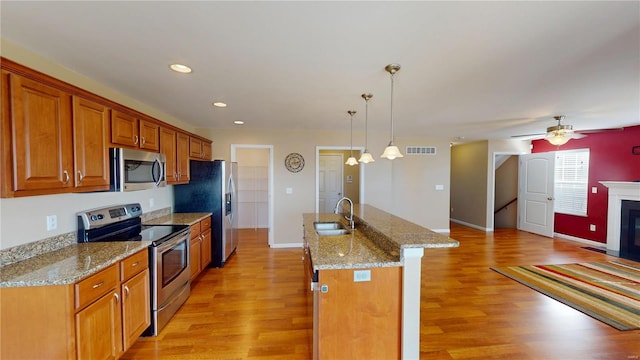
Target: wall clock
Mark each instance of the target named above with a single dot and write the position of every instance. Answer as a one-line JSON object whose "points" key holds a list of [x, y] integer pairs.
{"points": [[294, 162]]}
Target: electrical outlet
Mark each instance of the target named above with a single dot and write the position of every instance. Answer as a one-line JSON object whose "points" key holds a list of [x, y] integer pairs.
{"points": [[592, 227], [361, 275], [594, 189], [52, 222]]}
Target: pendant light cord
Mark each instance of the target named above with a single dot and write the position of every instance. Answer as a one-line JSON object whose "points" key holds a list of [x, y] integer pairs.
{"points": [[391, 139]]}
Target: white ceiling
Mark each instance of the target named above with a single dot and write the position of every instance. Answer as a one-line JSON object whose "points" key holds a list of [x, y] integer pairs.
{"points": [[478, 70]]}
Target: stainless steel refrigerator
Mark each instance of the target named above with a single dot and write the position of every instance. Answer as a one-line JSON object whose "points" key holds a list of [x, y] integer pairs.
{"points": [[212, 188]]}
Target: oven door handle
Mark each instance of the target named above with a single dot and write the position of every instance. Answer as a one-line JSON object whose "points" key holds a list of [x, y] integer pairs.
{"points": [[183, 236]]}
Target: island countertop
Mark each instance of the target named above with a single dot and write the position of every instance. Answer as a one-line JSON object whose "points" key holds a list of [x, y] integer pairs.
{"points": [[377, 241], [69, 264]]}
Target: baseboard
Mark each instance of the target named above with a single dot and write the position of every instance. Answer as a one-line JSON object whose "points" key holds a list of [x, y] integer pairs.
{"points": [[581, 240], [286, 245], [470, 225]]}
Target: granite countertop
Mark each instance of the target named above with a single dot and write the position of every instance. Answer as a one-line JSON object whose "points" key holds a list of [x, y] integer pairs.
{"points": [[69, 264], [377, 241], [178, 219]]}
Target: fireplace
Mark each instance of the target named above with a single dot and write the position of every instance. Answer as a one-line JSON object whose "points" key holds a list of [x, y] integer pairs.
{"points": [[627, 192], [630, 230]]}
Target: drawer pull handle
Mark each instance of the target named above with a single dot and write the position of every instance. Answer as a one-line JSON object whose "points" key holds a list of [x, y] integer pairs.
{"points": [[80, 176], [126, 291], [66, 177], [98, 284], [135, 139], [117, 297], [135, 264]]}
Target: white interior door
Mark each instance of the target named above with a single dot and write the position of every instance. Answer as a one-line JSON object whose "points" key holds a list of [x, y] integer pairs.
{"points": [[535, 193], [329, 181]]}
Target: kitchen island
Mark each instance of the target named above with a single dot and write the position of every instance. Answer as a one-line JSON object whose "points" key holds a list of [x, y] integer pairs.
{"points": [[368, 281]]}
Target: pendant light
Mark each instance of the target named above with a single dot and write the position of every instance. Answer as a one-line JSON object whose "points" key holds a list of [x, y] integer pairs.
{"points": [[366, 155], [391, 151], [351, 161]]}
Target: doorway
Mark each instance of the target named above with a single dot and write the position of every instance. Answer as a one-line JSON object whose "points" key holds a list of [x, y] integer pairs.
{"points": [[255, 189], [335, 179]]}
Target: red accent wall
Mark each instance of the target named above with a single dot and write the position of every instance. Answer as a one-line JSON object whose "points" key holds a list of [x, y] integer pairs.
{"points": [[610, 159]]}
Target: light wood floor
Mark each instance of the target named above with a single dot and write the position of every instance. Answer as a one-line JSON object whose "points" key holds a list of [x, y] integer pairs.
{"points": [[254, 308]]}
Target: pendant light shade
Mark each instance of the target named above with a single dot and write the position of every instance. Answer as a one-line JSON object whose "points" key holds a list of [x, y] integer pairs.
{"points": [[351, 161], [366, 155], [391, 151]]}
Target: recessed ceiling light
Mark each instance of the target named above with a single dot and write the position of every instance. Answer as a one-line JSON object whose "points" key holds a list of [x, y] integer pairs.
{"points": [[219, 104], [184, 69], [239, 122]]}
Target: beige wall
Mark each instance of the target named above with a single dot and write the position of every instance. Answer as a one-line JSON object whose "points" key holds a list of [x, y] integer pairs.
{"points": [[404, 187], [469, 183], [473, 176]]}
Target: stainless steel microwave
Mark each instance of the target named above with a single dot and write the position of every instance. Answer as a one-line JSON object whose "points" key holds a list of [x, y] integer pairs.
{"points": [[136, 170]]}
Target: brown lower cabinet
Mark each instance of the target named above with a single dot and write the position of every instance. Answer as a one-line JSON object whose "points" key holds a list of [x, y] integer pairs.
{"points": [[358, 319], [200, 246], [99, 317]]}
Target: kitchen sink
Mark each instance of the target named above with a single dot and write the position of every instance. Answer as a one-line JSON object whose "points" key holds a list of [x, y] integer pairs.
{"points": [[330, 228]]}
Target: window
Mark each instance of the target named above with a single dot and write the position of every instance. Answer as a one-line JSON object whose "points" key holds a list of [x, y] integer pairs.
{"points": [[571, 180]]}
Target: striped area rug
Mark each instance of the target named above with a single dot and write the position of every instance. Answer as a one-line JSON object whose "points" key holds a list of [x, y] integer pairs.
{"points": [[608, 291]]}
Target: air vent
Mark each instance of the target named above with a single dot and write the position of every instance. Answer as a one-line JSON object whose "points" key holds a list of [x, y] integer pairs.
{"points": [[420, 150]]}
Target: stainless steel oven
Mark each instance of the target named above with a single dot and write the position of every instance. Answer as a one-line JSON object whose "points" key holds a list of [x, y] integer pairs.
{"points": [[170, 281], [168, 254]]}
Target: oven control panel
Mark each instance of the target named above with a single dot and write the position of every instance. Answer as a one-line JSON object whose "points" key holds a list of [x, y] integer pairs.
{"points": [[98, 217]]}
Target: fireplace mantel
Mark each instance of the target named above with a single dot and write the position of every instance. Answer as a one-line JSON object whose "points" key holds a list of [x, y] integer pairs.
{"points": [[618, 191]]}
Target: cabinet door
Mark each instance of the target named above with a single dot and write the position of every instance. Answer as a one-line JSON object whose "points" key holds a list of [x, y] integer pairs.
{"points": [[124, 129], [348, 308], [195, 148], [182, 155], [136, 308], [98, 330], [194, 257], [206, 247], [42, 136], [168, 148], [90, 129], [149, 136], [206, 151]]}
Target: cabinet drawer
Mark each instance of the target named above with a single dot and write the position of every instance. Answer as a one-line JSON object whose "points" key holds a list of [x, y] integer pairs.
{"points": [[96, 285], [195, 230], [134, 264], [205, 224]]}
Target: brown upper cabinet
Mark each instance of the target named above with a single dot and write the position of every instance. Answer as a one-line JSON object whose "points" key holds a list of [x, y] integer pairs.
{"points": [[59, 141], [199, 149], [175, 146], [55, 137], [90, 134], [129, 131]]}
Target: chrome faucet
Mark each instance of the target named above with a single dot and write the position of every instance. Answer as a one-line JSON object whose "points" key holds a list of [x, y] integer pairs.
{"points": [[350, 217]]}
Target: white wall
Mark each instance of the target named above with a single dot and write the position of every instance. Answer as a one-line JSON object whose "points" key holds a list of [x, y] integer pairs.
{"points": [[23, 220]]}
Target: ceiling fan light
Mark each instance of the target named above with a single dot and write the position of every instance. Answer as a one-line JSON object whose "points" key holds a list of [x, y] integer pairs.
{"points": [[366, 157], [351, 161], [558, 138], [391, 152]]}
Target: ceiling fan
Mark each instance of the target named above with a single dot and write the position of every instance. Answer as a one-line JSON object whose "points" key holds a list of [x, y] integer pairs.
{"points": [[560, 134]]}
